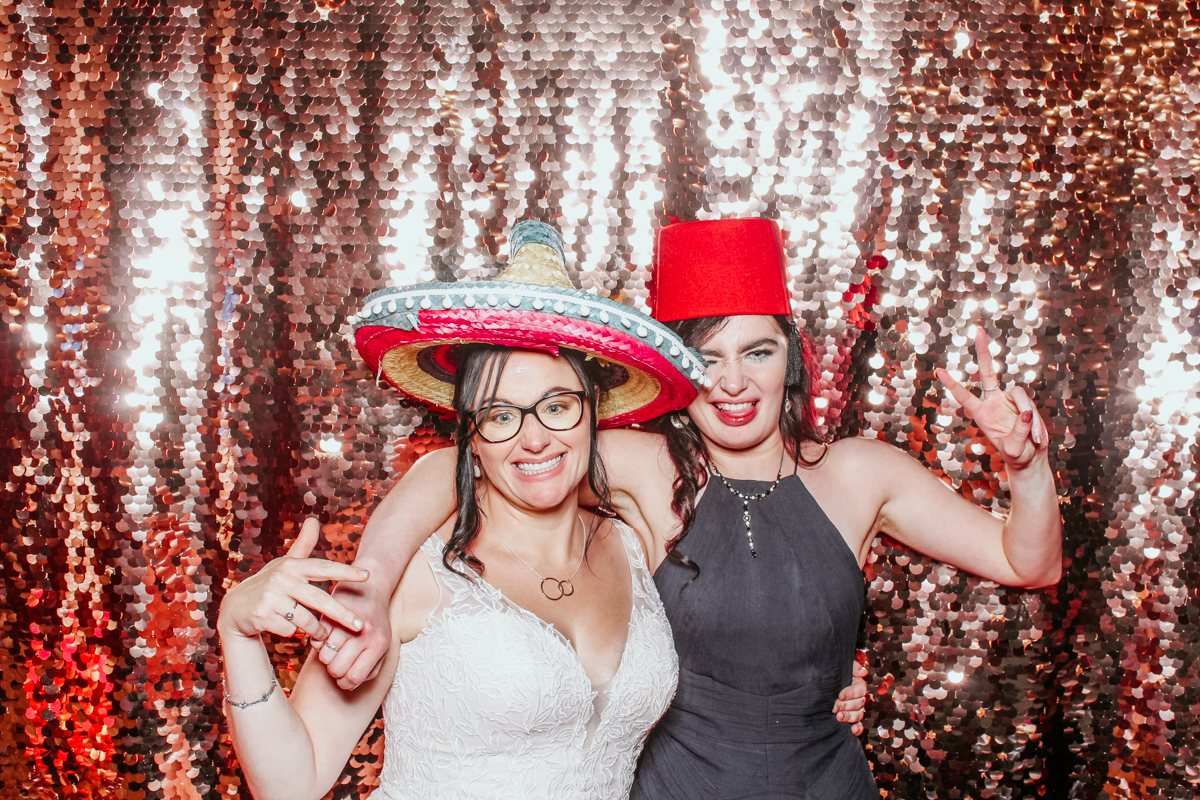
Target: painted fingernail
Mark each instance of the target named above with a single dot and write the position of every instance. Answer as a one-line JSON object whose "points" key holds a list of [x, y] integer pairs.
{"points": [[1027, 416], [358, 624]]}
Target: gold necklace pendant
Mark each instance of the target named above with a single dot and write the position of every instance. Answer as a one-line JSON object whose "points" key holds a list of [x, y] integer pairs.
{"points": [[564, 586]]}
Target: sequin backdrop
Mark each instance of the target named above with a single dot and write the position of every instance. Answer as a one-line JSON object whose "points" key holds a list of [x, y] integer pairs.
{"points": [[195, 196]]}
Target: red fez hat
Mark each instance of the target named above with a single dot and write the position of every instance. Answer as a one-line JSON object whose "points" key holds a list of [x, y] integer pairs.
{"points": [[719, 267]]}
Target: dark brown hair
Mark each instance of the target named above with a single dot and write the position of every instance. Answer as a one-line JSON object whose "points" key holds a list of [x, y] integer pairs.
{"points": [[479, 367], [797, 424]]}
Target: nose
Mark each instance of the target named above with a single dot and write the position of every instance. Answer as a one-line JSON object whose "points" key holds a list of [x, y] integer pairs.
{"points": [[733, 377], [533, 435]]}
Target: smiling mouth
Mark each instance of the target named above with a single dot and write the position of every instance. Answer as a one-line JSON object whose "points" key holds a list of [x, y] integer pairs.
{"points": [[526, 468], [734, 408]]}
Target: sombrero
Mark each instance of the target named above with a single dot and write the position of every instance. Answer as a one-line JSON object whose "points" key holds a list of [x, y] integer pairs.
{"points": [[411, 335]]}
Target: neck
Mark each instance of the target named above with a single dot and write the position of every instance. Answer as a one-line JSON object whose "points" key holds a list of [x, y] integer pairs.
{"points": [[548, 534], [760, 462]]}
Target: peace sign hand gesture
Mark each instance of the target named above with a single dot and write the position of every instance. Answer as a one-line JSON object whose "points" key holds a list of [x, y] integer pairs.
{"points": [[1007, 418], [281, 599]]}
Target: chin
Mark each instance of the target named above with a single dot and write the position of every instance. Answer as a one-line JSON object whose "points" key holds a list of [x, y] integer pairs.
{"points": [[737, 437], [549, 494]]}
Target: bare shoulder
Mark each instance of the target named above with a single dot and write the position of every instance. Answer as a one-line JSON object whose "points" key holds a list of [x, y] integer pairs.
{"points": [[860, 455], [866, 467], [851, 480], [873, 468], [603, 527], [641, 476]]}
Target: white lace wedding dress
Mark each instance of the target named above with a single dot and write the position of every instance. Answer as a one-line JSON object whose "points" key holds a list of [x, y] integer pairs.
{"points": [[489, 701]]}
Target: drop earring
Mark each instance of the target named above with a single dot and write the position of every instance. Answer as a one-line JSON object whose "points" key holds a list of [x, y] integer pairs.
{"points": [[680, 420], [475, 465]]}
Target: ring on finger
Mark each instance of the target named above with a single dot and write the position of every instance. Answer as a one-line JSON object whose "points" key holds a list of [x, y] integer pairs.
{"points": [[328, 646], [292, 613], [984, 389]]}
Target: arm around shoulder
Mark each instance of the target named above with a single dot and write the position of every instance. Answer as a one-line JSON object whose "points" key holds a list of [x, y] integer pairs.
{"points": [[641, 478], [416, 506], [413, 509]]}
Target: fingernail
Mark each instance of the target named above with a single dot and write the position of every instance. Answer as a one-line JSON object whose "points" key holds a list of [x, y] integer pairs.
{"points": [[358, 624], [362, 573], [1027, 416]]}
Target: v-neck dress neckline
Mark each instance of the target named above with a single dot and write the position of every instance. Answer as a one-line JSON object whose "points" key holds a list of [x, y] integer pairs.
{"points": [[550, 628]]}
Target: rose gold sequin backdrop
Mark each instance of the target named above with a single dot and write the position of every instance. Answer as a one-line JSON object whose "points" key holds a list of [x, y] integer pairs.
{"points": [[194, 198]]}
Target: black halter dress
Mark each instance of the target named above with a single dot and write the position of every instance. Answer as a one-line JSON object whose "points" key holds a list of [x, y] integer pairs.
{"points": [[765, 645]]}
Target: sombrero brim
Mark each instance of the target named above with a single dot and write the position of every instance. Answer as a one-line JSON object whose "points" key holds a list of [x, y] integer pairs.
{"points": [[407, 335]]}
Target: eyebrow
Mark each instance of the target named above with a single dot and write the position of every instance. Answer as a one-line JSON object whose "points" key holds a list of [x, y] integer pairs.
{"points": [[766, 340], [551, 391]]}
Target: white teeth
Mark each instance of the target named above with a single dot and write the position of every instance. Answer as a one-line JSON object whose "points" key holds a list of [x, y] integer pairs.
{"points": [[733, 408], [536, 469]]}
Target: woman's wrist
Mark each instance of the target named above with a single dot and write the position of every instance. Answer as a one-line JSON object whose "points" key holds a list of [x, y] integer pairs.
{"points": [[242, 705], [230, 634], [1034, 474], [1033, 482]]}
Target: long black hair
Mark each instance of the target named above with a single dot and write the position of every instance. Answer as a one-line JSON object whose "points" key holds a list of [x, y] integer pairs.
{"points": [[476, 380], [797, 420]]}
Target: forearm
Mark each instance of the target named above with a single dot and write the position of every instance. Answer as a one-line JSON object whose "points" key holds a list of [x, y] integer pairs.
{"points": [[1032, 534], [416, 506], [272, 743]]}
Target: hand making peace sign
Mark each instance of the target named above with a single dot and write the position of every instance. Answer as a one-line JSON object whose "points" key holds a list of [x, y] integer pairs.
{"points": [[281, 599], [1007, 417]]}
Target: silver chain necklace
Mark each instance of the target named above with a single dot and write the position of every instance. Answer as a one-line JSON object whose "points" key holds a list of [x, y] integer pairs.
{"points": [[746, 498], [565, 587]]}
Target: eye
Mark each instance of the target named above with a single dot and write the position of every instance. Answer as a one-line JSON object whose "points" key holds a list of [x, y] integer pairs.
{"points": [[558, 406], [501, 416], [760, 355]]}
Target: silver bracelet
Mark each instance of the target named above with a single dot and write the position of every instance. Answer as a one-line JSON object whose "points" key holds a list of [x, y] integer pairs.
{"points": [[248, 703]]}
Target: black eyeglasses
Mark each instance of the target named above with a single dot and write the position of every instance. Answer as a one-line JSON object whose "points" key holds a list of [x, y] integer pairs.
{"points": [[558, 412]]}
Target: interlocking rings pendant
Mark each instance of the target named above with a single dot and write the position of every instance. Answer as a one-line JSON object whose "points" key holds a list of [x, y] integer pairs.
{"points": [[565, 588]]}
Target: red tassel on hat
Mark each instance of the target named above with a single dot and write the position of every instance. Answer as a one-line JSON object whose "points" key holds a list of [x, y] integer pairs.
{"points": [[720, 267]]}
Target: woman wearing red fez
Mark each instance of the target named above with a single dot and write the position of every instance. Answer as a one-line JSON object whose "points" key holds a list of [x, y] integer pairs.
{"points": [[756, 529]]}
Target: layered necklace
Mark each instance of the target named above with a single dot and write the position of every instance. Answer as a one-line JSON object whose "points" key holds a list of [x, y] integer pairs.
{"points": [[747, 498], [558, 589]]}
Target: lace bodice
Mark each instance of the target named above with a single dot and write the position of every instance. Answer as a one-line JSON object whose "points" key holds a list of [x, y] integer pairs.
{"points": [[491, 701]]}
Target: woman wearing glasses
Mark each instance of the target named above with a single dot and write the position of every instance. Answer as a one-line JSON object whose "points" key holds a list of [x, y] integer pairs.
{"points": [[530, 653]]}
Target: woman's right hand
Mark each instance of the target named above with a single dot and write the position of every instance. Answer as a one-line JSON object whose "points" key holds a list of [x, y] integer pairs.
{"points": [[281, 599], [354, 658]]}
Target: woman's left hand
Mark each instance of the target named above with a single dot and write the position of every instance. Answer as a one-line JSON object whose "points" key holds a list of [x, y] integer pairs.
{"points": [[1007, 418]]}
